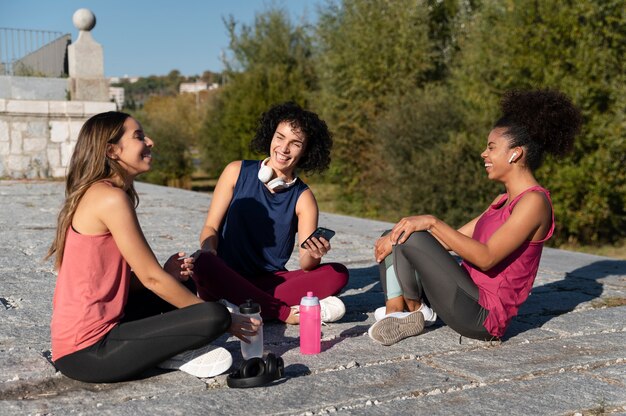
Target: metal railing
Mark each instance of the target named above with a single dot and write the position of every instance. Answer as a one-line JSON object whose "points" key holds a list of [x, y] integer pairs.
{"points": [[26, 52]]}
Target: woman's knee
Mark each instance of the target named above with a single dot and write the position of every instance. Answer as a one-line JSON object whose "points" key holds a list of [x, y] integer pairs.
{"points": [[340, 273], [420, 238], [420, 242], [215, 316]]}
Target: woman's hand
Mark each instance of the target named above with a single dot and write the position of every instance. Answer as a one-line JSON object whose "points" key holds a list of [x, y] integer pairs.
{"points": [[243, 326], [408, 225], [179, 266], [317, 247], [382, 248]]}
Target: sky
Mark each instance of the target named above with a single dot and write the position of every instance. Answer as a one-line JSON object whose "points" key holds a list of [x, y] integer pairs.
{"points": [[151, 37]]}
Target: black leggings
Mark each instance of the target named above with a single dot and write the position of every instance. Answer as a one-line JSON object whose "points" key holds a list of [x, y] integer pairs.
{"points": [[447, 286], [151, 332]]}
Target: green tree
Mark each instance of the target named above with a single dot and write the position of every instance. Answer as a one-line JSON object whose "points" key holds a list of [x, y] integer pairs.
{"points": [[174, 123], [371, 54], [269, 62], [577, 48]]}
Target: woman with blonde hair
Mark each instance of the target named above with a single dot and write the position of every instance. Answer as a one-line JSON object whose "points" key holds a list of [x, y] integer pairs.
{"points": [[116, 311]]}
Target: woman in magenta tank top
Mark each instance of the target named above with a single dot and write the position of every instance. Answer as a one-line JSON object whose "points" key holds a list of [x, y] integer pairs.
{"points": [[116, 312], [500, 249]]}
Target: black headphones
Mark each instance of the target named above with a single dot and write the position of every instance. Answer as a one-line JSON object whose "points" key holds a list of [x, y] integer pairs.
{"points": [[255, 372]]}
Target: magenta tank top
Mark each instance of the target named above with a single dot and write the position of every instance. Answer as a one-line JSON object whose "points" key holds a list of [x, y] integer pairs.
{"points": [[504, 287]]}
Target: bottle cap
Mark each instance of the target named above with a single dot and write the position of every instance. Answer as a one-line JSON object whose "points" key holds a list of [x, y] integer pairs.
{"points": [[249, 308], [309, 300]]}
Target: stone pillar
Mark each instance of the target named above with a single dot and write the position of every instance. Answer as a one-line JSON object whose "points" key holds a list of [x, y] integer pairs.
{"points": [[86, 62]]}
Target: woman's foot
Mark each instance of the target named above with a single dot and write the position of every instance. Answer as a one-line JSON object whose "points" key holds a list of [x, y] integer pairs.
{"points": [[294, 316], [430, 316]]}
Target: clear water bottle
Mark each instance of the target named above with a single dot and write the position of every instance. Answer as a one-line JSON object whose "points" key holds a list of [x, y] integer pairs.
{"points": [[310, 325], [255, 347]]}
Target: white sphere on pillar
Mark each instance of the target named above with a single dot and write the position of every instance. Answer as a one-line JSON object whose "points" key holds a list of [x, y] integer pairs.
{"points": [[84, 19]]}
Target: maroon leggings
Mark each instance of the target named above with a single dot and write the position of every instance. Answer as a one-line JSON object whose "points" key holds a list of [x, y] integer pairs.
{"points": [[276, 292]]}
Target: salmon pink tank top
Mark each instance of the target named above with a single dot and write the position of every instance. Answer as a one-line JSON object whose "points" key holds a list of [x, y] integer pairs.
{"points": [[90, 294], [504, 287]]}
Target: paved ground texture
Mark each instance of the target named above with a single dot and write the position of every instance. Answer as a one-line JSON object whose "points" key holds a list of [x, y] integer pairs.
{"points": [[564, 354]]}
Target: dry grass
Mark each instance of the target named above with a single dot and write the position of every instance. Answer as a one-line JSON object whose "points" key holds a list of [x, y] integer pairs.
{"points": [[611, 302], [617, 251]]}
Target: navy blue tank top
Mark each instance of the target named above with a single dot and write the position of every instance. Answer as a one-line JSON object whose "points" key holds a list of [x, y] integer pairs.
{"points": [[258, 233]]}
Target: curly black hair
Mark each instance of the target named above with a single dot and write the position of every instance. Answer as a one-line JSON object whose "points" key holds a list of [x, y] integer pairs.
{"points": [[540, 121], [316, 157]]}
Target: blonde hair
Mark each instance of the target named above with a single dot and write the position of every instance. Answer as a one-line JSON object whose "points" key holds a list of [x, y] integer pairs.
{"points": [[90, 164]]}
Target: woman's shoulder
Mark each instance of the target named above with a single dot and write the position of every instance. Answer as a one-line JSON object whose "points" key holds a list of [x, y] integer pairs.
{"points": [[105, 194], [535, 198], [233, 168]]}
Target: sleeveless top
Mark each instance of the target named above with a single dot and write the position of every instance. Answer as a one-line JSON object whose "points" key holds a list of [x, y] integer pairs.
{"points": [[258, 233], [504, 287], [90, 294]]}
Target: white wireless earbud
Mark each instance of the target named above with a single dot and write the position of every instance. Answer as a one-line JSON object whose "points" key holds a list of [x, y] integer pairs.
{"points": [[513, 156]]}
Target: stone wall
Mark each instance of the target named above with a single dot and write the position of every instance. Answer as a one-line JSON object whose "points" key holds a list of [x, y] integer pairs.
{"points": [[37, 137], [34, 88]]}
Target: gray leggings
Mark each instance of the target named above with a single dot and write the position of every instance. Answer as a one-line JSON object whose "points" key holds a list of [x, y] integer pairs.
{"points": [[425, 269]]}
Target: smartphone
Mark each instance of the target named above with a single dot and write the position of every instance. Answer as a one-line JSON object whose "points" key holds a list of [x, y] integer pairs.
{"points": [[320, 232]]}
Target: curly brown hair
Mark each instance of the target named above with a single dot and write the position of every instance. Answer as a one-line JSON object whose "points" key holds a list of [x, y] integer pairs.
{"points": [[540, 121], [319, 141]]}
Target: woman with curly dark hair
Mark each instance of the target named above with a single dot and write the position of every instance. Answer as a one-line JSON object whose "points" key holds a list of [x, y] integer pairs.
{"points": [[500, 249], [256, 211]]}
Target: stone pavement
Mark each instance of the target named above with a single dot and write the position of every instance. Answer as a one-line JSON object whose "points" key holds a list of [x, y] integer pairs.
{"points": [[564, 354]]}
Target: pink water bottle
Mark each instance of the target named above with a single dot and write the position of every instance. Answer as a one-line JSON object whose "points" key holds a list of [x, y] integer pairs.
{"points": [[310, 325]]}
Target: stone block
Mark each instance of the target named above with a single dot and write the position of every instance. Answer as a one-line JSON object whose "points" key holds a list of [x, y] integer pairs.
{"points": [[85, 57], [58, 172], [5, 148], [16, 142], [90, 90], [57, 107], [54, 156], [4, 131], [31, 145], [59, 131], [66, 152], [17, 164], [38, 88], [37, 128], [93, 107], [3, 105], [37, 167], [27, 106], [75, 127], [75, 108], [67, 108]]}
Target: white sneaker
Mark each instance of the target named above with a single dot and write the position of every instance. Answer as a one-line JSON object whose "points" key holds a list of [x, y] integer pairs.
{"points": [[430, 316], [208, 361], [332, 309], [396, 327], [381, 313]]}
